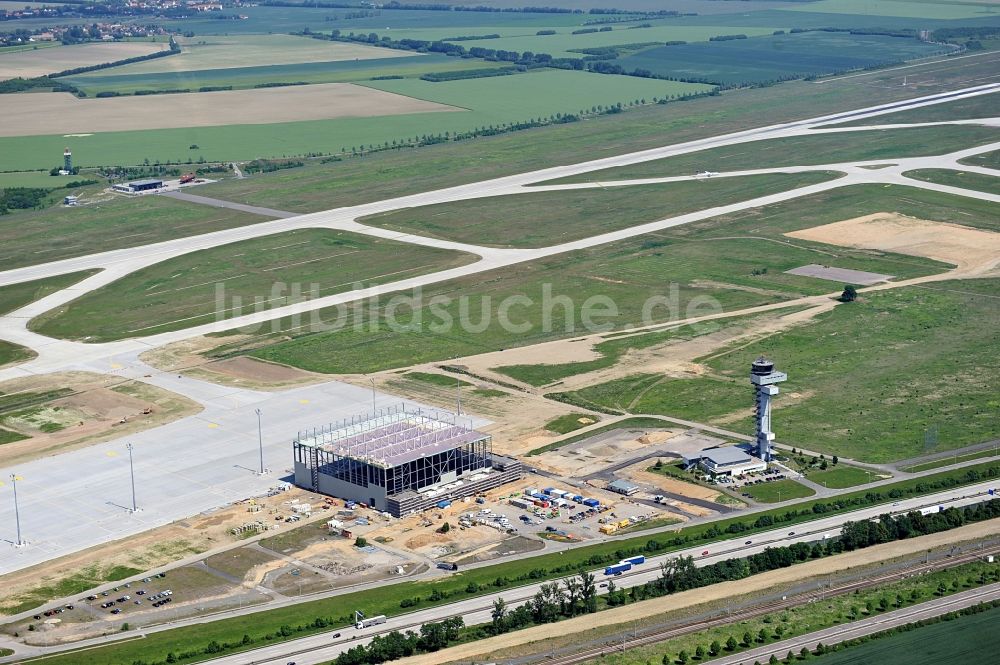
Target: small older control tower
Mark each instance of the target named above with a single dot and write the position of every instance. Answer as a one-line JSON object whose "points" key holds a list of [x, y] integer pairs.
{"points": [[764, 379], [67, 160]]}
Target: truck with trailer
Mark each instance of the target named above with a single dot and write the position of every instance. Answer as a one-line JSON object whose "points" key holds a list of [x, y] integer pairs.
{"points": [[634, 560], [370, 621], [618, 568], [930, 510], [447, 565]]}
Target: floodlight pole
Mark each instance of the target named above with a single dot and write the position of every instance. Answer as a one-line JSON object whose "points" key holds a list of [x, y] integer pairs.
{"points": [[374, 410], [458, 392], [260, 441], [131, 470], [17, 514]]}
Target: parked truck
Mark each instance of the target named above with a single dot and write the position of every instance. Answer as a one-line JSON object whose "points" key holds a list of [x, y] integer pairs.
{"points": [[370, 621], [447, 565], [617, 569]]}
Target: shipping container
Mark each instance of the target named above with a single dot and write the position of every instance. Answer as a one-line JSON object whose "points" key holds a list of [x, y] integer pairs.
{"points": [[593, 503]]}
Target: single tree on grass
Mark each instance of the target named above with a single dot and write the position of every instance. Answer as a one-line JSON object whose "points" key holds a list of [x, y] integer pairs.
{"points": [[361, 541], [850, 293], [731, 644]]}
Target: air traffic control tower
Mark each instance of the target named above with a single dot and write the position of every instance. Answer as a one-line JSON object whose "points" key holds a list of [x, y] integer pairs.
{"points": [[764, 379]]}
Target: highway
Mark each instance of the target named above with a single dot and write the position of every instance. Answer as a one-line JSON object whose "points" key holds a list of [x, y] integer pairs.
{"points": [[322, 647]]}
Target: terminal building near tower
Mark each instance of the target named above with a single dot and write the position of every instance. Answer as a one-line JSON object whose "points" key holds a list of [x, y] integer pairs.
{"points": [[400, 461]]}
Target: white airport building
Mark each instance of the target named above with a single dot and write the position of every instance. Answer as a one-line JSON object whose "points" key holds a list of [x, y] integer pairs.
{"points": [[726, 461]]}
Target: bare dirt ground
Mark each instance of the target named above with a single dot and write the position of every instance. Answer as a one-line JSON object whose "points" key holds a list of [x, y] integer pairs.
{"points": [[29, 64], [242, 371], [63, 113], [482, 649], [151, 549], [101, 407], [973, 251], [638, 473]]}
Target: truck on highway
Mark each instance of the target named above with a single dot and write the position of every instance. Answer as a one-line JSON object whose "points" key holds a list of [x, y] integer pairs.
{"points": [[634, 560], [370, 621], [930, 510], [618, 568]]}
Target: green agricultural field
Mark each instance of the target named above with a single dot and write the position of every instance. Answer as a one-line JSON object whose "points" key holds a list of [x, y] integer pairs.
{"points": [[249, 77], [915, 9], [966, 639], [490, 102], [16, 296], [239, 278], [221, 52], [965, 180], [777, 491], [548, 218], [769, 58], [395, 173], [701, 259], [803, 151], [839, 477], [564, 44], [876, 397], [980, 106], [39, 236]]}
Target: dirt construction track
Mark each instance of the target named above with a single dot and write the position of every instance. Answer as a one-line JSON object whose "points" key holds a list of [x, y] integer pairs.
{"points": [[27, 115]]}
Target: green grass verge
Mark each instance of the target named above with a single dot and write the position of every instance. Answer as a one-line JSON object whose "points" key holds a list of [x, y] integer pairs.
{"points": [[778, 490], [869, 395], [639, 424], [15, 296], [59, 232], [990, 160], [839, 477], [13, 353], [569, 423], [980, 106], [386, 599], [7, 436], [256, 275], [947, 461], [802, 150], [963, 179], [79, 582], [547, 218], [436, 379], [736, 260]]}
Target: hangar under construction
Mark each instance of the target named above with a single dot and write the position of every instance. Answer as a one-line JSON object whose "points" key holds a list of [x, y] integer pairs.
{"points": [[400, 461]]}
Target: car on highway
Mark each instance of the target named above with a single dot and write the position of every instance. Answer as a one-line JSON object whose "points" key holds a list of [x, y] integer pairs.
{"points": [[705, 553], [336, 635], [749, 542], [791, 533]]}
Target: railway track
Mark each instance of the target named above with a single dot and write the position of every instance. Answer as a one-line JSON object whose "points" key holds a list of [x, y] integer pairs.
{"points": [[766, 608]]}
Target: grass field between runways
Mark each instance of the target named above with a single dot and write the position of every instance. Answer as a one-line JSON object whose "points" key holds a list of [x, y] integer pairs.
{"points": [[538, 219], [240, 278]]}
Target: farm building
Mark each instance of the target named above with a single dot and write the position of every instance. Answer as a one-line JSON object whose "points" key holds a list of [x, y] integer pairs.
{"points": [[400, 461], [726, 461], [138, 186]]}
